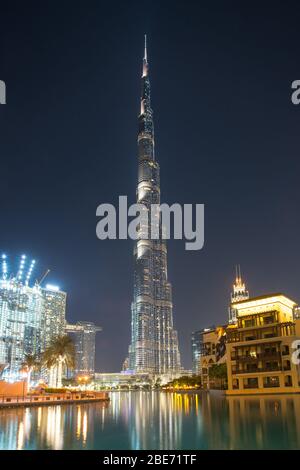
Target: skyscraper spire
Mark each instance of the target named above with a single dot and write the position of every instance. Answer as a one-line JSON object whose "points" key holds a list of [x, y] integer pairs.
{"points": [[145, 59], [146, 127], [145, 49]]}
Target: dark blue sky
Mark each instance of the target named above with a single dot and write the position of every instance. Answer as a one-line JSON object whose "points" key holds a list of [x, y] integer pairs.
{"points": [[227, 135]]}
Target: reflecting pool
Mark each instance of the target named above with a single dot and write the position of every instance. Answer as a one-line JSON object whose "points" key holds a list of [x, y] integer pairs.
{"points": [[157, 420]]}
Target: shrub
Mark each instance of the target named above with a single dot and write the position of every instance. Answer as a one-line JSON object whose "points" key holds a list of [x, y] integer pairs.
{"points": [[56, 390]]}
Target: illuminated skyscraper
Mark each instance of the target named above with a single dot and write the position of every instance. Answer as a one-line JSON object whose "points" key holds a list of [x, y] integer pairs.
{"points": [[238, 294], [154, 343], [30, 316], [54, 313], [21, 315], [84, 336]]}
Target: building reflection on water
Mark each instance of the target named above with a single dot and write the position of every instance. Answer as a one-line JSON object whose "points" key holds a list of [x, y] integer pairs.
{"points": [[153, 420]]}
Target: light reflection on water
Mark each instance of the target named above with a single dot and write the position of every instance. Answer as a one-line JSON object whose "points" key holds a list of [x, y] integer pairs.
{"points": [[153, 420]]}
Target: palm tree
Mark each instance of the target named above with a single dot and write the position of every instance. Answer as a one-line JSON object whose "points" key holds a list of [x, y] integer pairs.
{"points": [[60, 353], [30, 363], [218, 372]]}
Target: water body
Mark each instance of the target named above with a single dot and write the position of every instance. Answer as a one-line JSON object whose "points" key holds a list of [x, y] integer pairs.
{"points": [[157, 420]]}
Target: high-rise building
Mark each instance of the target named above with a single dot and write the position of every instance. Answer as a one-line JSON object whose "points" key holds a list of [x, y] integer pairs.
{"points": [[238, 294], [84, 336], [196, 343], [154, 342], [54, 313], [31, 316], [21, 315]]}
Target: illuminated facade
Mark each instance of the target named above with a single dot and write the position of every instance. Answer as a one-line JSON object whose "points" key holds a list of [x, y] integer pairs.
{"points": [[21, 316], [30, 316], [260, 347], [154, 343], [84, 336], [54, 313], [238, 294], [119, 380]]}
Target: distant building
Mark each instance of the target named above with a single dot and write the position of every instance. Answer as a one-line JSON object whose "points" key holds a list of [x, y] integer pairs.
{"points": [[260, 346], [213, 352], [238, 294], [54, 313], [84, 336], [125, 365], [197, 346], [122, 379]]}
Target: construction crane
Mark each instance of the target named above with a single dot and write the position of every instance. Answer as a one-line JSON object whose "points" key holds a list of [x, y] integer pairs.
{"points": [[43, 277]]}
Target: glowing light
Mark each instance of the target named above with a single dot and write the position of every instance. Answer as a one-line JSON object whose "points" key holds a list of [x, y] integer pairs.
{"points": [[52, 287], [4, 266]]}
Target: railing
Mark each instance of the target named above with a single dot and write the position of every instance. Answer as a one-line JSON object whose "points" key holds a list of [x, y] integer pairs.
{"points": [[276, 330], [259, 356], [259, 369], [251, 386]]}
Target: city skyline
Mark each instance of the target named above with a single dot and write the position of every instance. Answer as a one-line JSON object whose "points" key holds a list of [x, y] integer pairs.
{"points": [[75, 115]]}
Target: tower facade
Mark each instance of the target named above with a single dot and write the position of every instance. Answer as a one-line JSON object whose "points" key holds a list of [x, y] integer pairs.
{"points": [[54, 318], [238, 294], [21, 315], [84, 336], [154, 342]]}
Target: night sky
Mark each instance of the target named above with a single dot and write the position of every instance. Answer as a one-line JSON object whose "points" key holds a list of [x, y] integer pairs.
{"points": [[227, 135]]}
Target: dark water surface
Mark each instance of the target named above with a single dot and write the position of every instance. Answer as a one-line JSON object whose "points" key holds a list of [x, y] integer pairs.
{"points": [[154, 420]]}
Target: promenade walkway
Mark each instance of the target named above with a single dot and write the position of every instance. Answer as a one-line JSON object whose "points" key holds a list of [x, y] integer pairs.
{"points": [[52, 399]]}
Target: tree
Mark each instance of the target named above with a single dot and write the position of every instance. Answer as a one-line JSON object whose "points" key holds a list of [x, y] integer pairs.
{"points": [[184, 382], [218, 372], [31, 363], [60, 354]]}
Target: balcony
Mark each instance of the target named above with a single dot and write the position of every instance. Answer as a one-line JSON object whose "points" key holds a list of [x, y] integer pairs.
{"points": [[255, 385], [258, 370], [258, 357], [271, 385], [259, 333]]}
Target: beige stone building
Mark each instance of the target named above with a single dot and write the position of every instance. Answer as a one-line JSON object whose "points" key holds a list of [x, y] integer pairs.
{"points": [[213, 352], [261, 347]]}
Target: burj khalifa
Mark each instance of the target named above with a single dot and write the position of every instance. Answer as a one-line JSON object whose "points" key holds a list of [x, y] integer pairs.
{"points": [[154, 342]]}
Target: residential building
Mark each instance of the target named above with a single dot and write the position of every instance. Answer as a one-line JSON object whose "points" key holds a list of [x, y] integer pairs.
{"points": [[213, 352], [261, 351]]}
